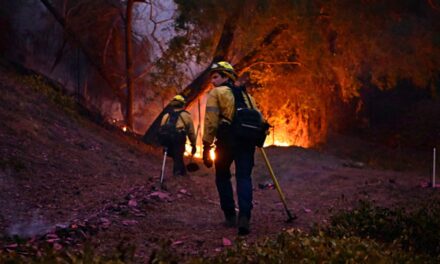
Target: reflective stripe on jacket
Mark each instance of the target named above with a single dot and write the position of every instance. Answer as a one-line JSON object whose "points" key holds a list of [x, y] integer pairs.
{"points": [[184, 122], [220, 107]]}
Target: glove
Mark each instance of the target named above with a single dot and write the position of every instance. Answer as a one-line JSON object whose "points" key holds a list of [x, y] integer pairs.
{"points": [[193, 149], [206, 157]]}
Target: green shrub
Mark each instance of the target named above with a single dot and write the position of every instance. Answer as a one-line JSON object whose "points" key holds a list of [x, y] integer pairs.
{"points": [[418, 230], [368, 221], [367, 234], [423, 229], [295, 246], [67, 103]]}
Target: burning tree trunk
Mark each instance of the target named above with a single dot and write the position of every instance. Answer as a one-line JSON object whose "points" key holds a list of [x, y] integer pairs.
{"points": [[200, 84], [129, 64]]}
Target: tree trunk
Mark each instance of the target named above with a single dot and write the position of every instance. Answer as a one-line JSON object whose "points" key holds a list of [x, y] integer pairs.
{"points": [[267, 41], [129, 64], [222, 52], [200, 84]]}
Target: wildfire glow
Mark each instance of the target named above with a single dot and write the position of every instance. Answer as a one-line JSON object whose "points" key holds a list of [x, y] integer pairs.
{"points": [[278, 143], [212, 154], [188, 150], [283, 135], [198, 152], [280, 139]]}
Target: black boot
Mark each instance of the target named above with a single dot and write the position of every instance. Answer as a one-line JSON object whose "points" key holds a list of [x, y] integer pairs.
{"points": [[243, 225], [230, 220]]}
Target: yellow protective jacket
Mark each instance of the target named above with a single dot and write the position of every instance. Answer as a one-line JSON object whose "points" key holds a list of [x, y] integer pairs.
{"points": [[184, 122], [220, 107]]}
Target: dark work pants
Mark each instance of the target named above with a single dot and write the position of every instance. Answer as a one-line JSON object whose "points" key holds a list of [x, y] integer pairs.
{"points": [[243, 157], [176, 151]]}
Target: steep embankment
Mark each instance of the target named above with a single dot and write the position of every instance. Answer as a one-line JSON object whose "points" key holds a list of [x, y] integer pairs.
{"points": [[56, 166]]}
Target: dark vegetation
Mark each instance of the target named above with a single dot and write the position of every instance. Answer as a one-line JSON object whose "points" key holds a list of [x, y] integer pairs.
{"points": [[366, 234], [416, 231]]}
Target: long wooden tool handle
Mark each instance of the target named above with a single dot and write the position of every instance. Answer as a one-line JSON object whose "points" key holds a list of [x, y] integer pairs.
{"points": [[277, 185]]}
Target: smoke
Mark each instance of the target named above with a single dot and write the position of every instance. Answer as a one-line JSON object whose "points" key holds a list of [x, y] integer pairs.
{"points": [[35, 226]]}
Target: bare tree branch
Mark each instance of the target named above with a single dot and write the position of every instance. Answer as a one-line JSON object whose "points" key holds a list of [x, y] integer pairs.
{"points": [[146, 71], [267, 41], [107, 42], [59, 54], [433, 6], [78, 42], [163, 21], [245, 69], [79, 4], [153, 33], [190, 71], [200, 84]]}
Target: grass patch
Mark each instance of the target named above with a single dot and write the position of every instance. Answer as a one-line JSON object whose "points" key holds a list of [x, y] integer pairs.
{"points": [[54, 94]]}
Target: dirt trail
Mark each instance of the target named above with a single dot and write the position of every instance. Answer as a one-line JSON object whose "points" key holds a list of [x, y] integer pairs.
{"points": [[58, 170]]}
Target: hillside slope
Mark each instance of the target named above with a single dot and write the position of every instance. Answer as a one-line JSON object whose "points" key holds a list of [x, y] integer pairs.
{"points": [[65, 180], [56, 166]]}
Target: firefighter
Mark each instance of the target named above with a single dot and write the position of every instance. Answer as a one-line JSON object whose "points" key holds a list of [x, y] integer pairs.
{"points": [[184, 127], [219, 113]]}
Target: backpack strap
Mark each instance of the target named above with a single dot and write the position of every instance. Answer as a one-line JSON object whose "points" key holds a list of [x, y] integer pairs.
{"points": [[239, 101], [181, 118], [249, 99], [238, 96], [173, 116]]}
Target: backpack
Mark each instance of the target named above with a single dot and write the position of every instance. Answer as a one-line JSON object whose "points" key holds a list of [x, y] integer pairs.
{"points": [[168, 133], [248, 125]]}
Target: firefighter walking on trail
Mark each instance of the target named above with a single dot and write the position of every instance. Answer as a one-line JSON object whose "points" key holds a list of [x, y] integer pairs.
{"points": [[222, 107], [175, 127]]}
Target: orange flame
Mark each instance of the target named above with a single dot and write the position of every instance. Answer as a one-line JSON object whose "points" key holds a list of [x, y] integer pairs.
{"points": [[198, 154], [281, 138], [212, 154], [188, 149], [291, 126], [296, 132]]}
